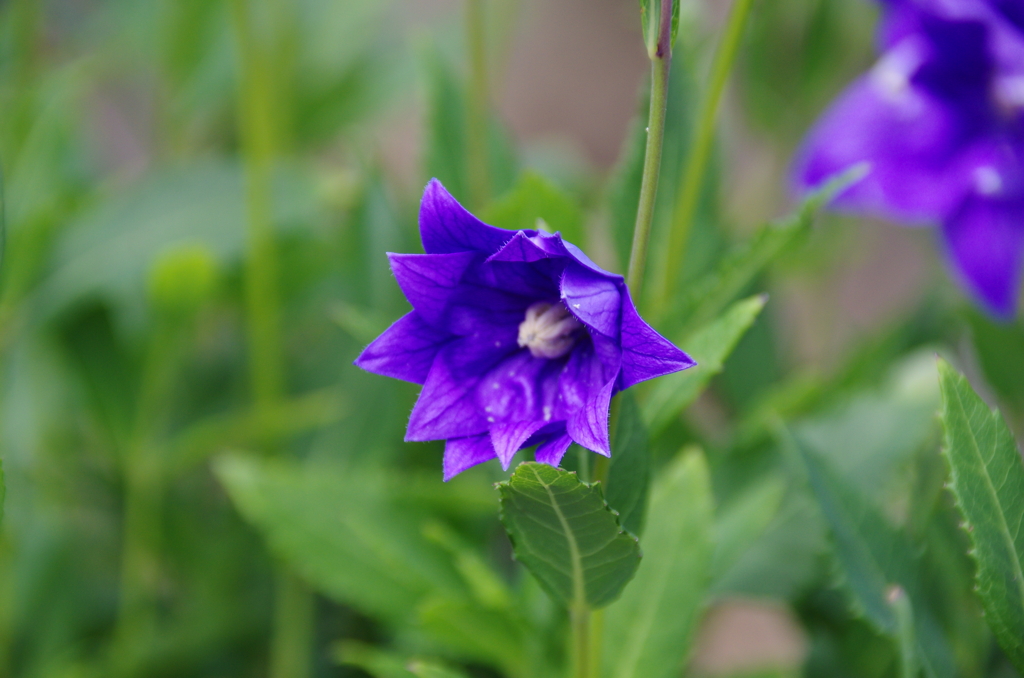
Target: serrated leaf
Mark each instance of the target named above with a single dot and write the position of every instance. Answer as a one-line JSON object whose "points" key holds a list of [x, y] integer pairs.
{"points": [[987, 479], [534, 197], [629, 469], [565, 534], [340, 531], [738, 268], [649, 631], [874, 557], [709, 346]]}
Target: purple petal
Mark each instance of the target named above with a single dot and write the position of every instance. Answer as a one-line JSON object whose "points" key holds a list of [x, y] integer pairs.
{"points": [[406, 350], [463, 453], [524, 247], [920, 150], [585, 389], [446, 407], [552, 451], [577, 254], [537, 280], [593, 298], [446, 226], [985, 244], [645, 353], [589, 426], [521, 388], [428, 280], [508, 438], [472, 308]]}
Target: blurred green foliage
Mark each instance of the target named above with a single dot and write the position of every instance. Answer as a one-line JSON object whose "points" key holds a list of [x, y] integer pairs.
{"points": [[151, 508]]}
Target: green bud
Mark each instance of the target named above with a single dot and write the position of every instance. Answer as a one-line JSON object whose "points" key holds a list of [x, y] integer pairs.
{"points": [[182, 278]]}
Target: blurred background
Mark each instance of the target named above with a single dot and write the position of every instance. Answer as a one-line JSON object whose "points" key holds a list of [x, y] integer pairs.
{"points": [[198, 197]]}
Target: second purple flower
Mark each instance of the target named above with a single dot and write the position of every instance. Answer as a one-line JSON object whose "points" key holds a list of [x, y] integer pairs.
{"points": [[518, 338], [940, 121]]}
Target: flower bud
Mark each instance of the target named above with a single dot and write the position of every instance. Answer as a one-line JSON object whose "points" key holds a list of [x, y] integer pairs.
{"points": [[182, 278]]}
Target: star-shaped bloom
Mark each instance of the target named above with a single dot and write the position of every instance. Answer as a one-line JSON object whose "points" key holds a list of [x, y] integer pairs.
{"points": [[517, 338], [940, 121]]}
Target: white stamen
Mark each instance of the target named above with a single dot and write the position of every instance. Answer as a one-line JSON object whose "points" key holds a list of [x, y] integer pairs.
{"points": [[893, 71], [549, 330], [987, 180], [1009, 93]]}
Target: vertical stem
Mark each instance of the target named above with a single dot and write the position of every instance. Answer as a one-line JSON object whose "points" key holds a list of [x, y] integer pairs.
{"points": [[582, 664], [260, 125], [257, 121], [587, 632], [661, 62], [293, 623], [700, 151], [477, 100], [138, 596]]}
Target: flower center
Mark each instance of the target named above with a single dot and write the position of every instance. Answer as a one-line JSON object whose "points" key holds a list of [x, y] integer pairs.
{"points": [[549, 330]]}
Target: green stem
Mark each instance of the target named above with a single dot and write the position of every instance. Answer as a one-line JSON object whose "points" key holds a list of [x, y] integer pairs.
{"points": [[261, 132], [661, 62], [582, 662], [477, 106], [700, 151], [258, 124], [143, 475], [293, 624]]}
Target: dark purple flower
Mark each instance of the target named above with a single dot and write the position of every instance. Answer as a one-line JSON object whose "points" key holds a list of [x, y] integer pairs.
{"points": [[940, 120], [517, 337]]}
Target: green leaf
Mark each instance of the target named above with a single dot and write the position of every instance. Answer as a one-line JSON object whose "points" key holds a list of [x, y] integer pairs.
{"points": [[675, 22], [870, 436], [383, 664], [739, 524], [783, 562], [874, 557], [3, 491], [445, 153], [649, 10], [532, 198], [472, 632], [629, 469], [709, 346], [650, 19], [565, 534], [713, 292], [649, 631], [340, 531], [987, 479], [1000, 350], [109, 251], [377, 663]]}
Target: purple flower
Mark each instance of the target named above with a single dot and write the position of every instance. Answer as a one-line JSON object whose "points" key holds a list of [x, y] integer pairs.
{"points": [[940, 120], [517, 338]]}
